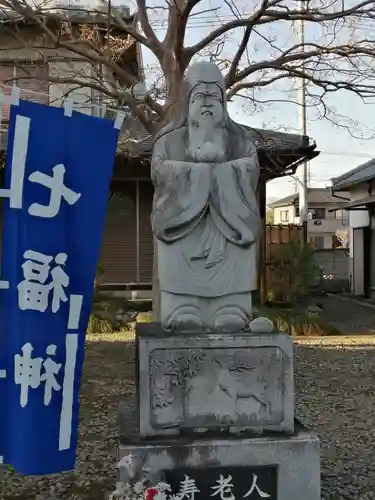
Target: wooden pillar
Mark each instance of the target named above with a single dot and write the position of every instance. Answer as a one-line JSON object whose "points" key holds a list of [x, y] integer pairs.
{"points": [[262, 275], [155, 286]]}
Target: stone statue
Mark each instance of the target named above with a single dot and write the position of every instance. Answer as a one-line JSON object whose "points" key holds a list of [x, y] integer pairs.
{"points": [[205, 215]]}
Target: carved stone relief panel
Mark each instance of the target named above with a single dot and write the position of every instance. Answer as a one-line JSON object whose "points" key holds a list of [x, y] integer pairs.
{"points": [[217, 387]]}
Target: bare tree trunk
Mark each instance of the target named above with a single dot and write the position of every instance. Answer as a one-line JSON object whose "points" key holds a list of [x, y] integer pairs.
{"points": [[174, 84]]}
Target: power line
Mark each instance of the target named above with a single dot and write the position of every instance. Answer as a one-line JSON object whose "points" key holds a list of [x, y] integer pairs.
{"points": [[347, 153], [339, 153], [208, 21], [230, 17]]}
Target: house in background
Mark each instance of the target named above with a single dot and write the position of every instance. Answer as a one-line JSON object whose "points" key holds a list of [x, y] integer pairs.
{"points": [[322, 225], [358, 187], [127, 246]]}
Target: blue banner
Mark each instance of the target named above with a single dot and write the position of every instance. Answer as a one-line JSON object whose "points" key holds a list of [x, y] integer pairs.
{"points": [[57, 180]]}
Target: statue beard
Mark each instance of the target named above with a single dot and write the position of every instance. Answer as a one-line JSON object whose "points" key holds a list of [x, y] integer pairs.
{"points": [[206, 139]]}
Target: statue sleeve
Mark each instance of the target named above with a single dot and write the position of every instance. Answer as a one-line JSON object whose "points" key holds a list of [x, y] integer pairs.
{"points": [[180, 196], [234, 204]]}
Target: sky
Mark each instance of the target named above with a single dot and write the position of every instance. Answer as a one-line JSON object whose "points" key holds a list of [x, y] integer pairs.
{"points": [[339, 150]]}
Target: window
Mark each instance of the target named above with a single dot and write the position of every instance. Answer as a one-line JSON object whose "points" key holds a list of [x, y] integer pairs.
{"points": [[297, 210], [317, 242], [343, 216], [31, 79], [317, 213], [284, 216]]}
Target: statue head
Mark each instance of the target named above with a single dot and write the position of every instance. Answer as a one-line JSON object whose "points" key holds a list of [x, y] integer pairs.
{"points": [[203, 117], [206, 103], [205, 94]]}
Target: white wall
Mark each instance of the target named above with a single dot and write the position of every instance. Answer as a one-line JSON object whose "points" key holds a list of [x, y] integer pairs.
{"points": [[291, 215], [327, 238], [322, 227], [358, 219], [58, 91]]}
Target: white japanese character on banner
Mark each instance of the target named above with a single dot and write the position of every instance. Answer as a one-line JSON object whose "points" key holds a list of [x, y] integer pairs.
{"points": [[29, 374], [60, 280], [54, 182], [58, 192], [255, 487], [33, 291], [224, 488], [188, 488]]}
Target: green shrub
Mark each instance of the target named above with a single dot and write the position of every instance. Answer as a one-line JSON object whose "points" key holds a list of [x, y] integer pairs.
{"points": [[293, 271], [144, 317], [97, 325], [298, 323]]}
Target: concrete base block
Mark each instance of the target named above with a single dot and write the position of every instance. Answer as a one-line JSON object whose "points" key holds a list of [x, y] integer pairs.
{"points": [[282, 467]]}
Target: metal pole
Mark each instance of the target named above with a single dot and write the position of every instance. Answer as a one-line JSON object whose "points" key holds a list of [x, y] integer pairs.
{"points": [[137, 208], [303, 188]]}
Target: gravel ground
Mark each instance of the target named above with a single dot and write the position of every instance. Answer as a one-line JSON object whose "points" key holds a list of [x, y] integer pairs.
{"points": [[336, 398], [335, 380], [108, 378]]}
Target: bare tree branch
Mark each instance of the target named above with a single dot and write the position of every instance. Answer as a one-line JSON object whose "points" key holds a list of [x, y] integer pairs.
{"points": [[230, 78], [314, 16], [336, 60], [153, 41], [180, 29]]}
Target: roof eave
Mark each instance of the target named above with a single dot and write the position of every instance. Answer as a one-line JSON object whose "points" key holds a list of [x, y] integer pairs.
{"points": [[355, 205], [347, 184], [281, 167], [74, 16], [282, 205], [349, 179]]}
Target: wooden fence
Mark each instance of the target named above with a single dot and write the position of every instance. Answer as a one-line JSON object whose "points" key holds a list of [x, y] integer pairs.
{"points": [[334, 263], [283, 234]]}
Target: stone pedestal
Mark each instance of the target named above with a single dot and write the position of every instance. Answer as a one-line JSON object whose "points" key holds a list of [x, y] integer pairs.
{"points": [[217, 407], [283, 467], [219, 381]]}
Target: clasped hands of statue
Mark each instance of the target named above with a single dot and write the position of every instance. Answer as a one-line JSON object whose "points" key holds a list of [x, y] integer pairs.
{"points": [[211, 155], [208, 153]]}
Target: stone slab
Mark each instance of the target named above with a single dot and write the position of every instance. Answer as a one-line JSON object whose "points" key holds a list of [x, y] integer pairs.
{"points": [[240, 482], [294, 459], [195, 381]]}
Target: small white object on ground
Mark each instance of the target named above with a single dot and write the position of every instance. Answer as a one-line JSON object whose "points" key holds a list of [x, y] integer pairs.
{"points": [[262, 325]]}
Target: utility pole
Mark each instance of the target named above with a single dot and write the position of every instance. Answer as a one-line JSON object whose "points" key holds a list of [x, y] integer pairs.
{"points": [[304, 178]]}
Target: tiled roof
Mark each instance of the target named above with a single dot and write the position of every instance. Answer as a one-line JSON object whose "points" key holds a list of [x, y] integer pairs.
{"points": [[284, 202], [323, 195], [136, 141], [72, 14], [315, 195], [362, 173], [280, 153]]}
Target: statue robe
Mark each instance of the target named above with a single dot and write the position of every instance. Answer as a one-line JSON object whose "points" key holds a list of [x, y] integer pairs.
{"points": [[206, 220]]}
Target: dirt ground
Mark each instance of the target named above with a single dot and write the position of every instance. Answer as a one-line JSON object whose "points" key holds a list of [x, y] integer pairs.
{"points": [[335, 397], [108, 378]]}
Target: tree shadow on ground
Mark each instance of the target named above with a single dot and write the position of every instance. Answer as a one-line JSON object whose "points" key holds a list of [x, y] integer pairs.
{"points": [[335, 398], [349, 317]]}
